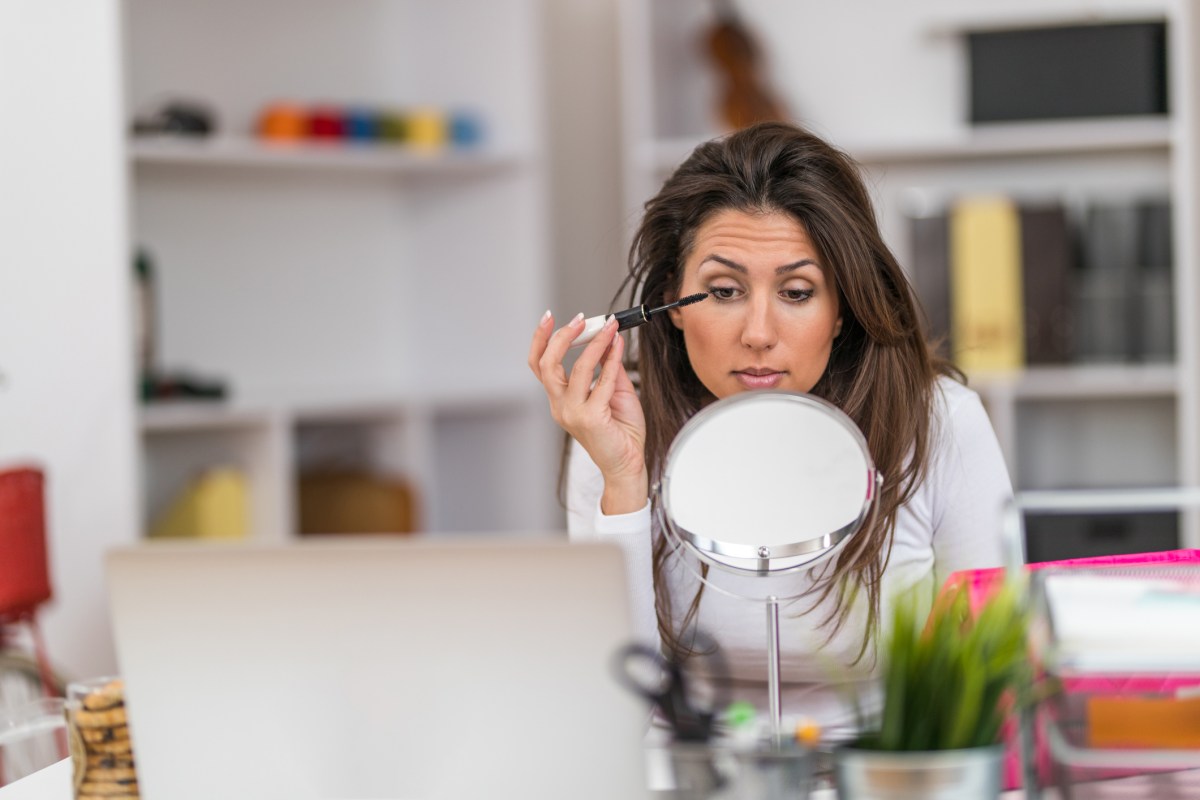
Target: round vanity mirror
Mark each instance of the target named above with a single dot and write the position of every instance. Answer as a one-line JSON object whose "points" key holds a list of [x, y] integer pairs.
{"points": [[764, 483], [767, 482]]}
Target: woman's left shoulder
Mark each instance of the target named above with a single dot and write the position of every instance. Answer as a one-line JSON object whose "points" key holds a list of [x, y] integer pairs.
{"points": [[951, 396], [958, 413]]}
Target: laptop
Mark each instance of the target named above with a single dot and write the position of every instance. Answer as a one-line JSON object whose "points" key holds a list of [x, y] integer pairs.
{"points": [[419, 669]]}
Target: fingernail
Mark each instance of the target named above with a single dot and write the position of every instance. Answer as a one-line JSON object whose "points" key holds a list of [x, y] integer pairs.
{"points": [[578, 318], [545, 317], [610, 322]]}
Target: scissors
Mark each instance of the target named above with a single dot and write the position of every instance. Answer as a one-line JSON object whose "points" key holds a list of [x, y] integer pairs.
{"points": [[662, 681]]}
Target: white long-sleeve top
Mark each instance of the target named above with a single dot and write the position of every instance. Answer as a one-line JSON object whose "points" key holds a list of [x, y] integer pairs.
{"points": [[952, 522]]}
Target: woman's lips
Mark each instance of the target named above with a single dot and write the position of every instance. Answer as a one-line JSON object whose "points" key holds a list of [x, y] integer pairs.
{"points": [[759, 379]]}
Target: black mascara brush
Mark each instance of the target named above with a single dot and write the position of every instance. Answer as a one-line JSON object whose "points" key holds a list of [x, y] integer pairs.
{"points": [[630, 317]]}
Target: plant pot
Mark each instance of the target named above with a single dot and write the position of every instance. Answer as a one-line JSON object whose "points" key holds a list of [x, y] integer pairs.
{"points": [[715, 772], [970, 774]]}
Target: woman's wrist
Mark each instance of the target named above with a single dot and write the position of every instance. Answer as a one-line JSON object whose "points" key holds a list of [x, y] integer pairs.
{"points": [[624, 495]]}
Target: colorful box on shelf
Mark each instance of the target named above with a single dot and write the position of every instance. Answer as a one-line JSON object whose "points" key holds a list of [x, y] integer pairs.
{"points": [[350, 501], [422, 128], [216, 505]]}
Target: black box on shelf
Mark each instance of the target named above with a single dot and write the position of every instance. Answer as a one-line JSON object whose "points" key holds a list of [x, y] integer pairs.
{"points": [[1065, 72], [1055, 537]]}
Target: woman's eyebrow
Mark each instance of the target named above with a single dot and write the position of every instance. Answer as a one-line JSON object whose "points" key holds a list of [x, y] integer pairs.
{"points": [[786, 268]]}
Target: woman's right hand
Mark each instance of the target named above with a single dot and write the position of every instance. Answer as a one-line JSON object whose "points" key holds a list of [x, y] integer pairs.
{"points": [[605, 418]]}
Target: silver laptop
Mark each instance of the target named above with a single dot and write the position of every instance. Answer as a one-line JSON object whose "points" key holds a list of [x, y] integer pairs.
{"points": [[417, 669]]}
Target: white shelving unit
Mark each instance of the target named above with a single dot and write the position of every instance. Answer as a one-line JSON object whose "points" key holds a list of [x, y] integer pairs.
{"points": [[366, 303], [1063, 427], [996, 141], [398, 160]]}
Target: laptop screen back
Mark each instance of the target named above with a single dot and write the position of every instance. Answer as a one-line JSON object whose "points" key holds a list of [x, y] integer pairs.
{"points": [[385, 669]]}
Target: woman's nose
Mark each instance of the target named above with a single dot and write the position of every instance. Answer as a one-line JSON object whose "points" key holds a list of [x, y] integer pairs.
{"points": [[759, 329]]}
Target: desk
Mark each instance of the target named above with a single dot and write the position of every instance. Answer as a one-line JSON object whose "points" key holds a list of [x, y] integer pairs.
{"points": [[54, 783], [51, 783]]}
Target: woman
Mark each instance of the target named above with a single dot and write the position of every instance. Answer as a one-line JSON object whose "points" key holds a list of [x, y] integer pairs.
{"points": [[777, 226]]}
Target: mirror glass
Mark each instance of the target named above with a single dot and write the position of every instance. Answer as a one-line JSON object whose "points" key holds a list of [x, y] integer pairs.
{"points": [[768, 481]]}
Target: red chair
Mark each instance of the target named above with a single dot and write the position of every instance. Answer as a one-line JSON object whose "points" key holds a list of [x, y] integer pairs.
{"points": [[24, 566]]}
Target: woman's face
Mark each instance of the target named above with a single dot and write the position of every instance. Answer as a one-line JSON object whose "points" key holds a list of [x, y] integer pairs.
{"points": [[772, 314]]}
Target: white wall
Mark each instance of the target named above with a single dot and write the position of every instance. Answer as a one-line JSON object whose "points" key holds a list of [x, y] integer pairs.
{"points": [[588, 232], [65, 350]]}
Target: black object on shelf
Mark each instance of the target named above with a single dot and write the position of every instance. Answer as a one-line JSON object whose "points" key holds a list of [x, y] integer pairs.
{"points": [[178, 118], [181, 386], [145, 315], [156, 384], [1065, 72], [1055, 537]]}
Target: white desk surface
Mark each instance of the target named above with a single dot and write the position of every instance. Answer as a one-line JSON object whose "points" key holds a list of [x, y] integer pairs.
{"points": [[51, 783], [54, 783]]}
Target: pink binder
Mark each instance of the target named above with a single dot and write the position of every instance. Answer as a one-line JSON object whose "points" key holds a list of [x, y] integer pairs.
{"points": [[982, 582]]}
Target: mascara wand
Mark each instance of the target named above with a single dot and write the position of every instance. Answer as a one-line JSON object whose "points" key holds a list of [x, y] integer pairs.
{"points": [[630, 317]]}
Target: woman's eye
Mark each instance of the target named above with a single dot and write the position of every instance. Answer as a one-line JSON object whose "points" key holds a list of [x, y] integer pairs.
{"points": [[797, 295], [722, 292]]}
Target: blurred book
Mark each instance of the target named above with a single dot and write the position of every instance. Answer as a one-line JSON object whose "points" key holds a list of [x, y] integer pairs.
{"points": [[1092, 287], [931, 274], [1155, 331], [986, 298], [1106, 314], [1124, 299], [214, 506], [1047, 260]]}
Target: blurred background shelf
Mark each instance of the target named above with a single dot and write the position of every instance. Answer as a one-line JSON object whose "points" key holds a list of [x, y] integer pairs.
{"points": [[200, 415], [328, 296], [1080, 382], [228, 151], [184, 415], [998, 140], [1094, 420]]}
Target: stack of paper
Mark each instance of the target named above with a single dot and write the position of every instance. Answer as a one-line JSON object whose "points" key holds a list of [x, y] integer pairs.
{"points": [[1126, 620]]}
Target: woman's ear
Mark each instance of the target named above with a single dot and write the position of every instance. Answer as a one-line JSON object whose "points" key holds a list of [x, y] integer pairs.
{"points": [[837, 327]]}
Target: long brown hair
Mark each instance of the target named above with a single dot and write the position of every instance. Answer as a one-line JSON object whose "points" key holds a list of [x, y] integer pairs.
{"points": [[881, 371]]}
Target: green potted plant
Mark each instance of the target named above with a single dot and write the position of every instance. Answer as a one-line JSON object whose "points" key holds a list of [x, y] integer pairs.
{"points": [[949, 683]]}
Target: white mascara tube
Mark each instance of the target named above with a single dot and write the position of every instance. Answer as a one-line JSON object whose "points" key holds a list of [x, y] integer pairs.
{"points": [[629, 318]]}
